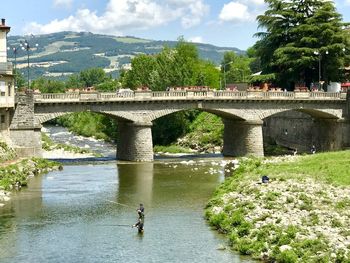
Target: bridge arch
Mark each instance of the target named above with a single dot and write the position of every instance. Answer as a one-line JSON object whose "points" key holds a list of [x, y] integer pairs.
{"points": [[314, 113], [44, 117], [221, 113]]}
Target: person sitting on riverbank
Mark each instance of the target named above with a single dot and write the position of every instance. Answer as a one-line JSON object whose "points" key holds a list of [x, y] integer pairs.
{"points": [[295, 152], [313, 149], [139, 225], [265, 179]]}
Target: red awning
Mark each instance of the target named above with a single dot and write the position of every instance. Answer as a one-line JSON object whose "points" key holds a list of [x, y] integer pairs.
{"points": [[346, 84]]}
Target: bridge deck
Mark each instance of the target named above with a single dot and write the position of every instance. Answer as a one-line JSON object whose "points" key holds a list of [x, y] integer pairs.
{"points": [[185, 95]]}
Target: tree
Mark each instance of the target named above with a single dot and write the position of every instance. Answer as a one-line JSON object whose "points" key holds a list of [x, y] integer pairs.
{"points": [[48, 85], [235, 68], [179, 66], [142, 67], [299, 34], [92, 76], [255, 63], [74, 82], [20, 81]]}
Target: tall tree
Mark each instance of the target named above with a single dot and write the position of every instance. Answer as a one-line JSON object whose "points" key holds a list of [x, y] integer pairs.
{"points": [[92, 76], [235, 68], [300, 36], [179, 66], [48, 85]]}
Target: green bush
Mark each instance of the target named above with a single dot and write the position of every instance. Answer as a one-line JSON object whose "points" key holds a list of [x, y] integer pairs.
{"points": [[287, 256], [244, 246]]}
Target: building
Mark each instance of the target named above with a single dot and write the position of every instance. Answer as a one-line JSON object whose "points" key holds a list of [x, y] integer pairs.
{"points": [[7, 96]]}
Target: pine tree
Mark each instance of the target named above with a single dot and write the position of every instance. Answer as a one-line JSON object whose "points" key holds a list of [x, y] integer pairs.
{"points": [[301, 37]]}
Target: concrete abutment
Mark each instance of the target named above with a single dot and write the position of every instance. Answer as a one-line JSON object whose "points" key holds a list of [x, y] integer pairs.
{"points": [[242, 138]]}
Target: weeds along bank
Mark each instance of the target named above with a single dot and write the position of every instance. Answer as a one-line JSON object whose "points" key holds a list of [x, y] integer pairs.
{"points": [[301, 215], [16, 175], [6, 153]]}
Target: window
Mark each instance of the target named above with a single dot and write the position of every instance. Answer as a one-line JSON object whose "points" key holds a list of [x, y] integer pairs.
{"points": [[2, 119], [2, 88], [9, 88]]}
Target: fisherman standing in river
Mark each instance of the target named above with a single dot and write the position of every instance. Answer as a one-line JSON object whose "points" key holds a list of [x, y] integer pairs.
{"points": [[139, 225], [141, 216], [141, 211]]}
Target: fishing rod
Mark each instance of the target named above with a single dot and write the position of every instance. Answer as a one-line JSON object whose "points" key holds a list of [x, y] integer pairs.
{"points": [[116, 225], [119, 203]]}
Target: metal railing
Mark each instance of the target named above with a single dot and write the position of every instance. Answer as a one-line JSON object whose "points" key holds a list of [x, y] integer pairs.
{"points": [[191, 95]]}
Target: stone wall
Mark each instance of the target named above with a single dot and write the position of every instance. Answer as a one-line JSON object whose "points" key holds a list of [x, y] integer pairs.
{"points": [[25, 132], [297, 130]]}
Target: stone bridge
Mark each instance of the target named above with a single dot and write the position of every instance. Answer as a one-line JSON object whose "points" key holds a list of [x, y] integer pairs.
{"points": [[242, 112]]}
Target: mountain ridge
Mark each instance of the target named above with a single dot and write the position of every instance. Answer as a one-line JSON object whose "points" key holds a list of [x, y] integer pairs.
{"points": [[61, 54]]}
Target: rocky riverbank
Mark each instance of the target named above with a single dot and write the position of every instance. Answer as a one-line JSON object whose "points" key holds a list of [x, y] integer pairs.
{"points": [[16, 175], [289, 219]]}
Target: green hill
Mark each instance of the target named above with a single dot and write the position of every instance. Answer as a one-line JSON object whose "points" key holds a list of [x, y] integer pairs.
{"points": [[64, 53]]}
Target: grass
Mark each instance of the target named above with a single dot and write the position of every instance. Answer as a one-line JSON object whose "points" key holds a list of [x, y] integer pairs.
{"points": [[131, 40], [330, 167], [171, 149], [263, 236], [17, 174], [6, 153]]}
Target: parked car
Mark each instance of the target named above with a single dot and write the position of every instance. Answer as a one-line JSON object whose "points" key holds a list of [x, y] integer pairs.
{"points": [[125, 92]]}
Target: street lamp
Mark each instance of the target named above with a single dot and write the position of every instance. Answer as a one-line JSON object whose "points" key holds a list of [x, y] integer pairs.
{"points": [[25, 46], [15, 50], [224, 66], [318, 53]]}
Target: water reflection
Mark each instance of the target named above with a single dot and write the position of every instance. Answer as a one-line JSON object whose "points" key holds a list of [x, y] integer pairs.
{"points": [[85, 212], [135, 183]]}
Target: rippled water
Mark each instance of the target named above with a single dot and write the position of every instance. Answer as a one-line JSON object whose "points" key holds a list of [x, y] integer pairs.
{"points": [[85, 212], [62, 135], [71, 215]]}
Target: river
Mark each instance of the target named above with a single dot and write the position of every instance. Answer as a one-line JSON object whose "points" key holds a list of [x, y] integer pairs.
{"points": [[85, 212]]}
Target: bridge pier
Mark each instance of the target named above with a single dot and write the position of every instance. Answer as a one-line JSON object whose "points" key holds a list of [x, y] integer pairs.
{"points": [[243, 138], [25, 133], [134, 141], [327, 135]]}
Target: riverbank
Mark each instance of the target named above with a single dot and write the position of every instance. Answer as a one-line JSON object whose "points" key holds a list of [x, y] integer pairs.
{"points": [[16, 174], [301, 215], [54, 150]]}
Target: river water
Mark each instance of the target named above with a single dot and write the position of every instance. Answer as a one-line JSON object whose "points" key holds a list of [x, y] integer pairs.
{"points": [[85, 212]]}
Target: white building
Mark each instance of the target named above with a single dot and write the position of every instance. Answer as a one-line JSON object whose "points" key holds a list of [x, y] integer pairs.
{"points": [[7, 96]]}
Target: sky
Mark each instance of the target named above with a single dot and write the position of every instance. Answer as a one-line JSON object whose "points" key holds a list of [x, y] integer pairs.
{"points": [[225, 23]]}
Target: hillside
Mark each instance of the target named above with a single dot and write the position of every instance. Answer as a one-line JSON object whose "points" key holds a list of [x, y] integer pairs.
{"points": [[61, 54]]}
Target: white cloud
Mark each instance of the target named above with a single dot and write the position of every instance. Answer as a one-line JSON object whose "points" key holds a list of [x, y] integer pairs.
{"points": [[241, 11], [62, 3], [120, 15], [197, 9], [234, 11], [256, 2], [347, 2]]}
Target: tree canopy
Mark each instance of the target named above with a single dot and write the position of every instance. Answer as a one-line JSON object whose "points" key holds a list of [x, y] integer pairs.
{"points": [[179, 66], [304, 41], [235, 68]]}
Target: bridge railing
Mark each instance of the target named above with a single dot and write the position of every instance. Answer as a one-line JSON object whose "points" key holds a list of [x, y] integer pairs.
{"points": [[329, 95], [166, 95]]}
